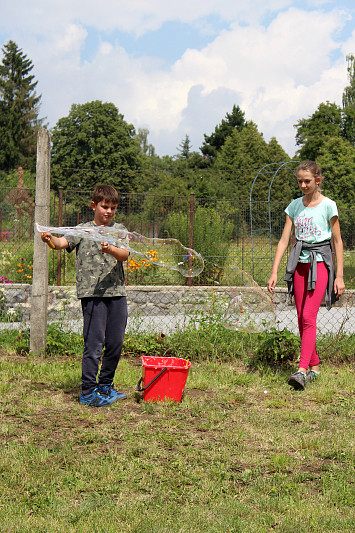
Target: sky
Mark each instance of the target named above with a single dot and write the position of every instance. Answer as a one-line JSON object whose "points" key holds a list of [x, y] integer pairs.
{"points": [[177, 67]]}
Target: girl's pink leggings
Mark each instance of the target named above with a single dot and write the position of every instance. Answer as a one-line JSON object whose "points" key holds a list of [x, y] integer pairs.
{"points": [[307, 305]]}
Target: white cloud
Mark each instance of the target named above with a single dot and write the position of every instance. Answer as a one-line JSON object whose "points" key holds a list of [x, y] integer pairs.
{"points": [[277, 72], [72, 40], [348, 48], [135, 16]]}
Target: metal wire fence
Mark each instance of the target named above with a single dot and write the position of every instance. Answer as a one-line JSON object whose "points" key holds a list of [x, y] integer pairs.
{"points": [[228, 233]]}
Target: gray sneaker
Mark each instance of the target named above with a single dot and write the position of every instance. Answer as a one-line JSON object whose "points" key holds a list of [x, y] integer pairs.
{"points": [[297, 381], [312, 376]]}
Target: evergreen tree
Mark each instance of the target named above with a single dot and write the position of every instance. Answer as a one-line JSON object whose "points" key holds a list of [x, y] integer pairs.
{"points": [[214, 142], [243, 155], [244, 149], [19, 108], [184, 148], [276, 153]]}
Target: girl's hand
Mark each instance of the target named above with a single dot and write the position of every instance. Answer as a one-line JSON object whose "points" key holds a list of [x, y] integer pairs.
{"points": [[271, 284], [339, 286]]}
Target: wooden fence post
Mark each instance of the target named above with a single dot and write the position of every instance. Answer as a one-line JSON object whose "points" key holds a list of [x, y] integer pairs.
{"points": [[39, 297], [60, 223], [191, 231]]}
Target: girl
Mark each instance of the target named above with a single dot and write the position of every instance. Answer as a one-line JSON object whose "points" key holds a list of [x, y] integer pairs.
{"points": [[309, 271]]}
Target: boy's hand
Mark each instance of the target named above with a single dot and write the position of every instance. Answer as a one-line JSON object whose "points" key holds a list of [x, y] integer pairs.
{"points": [[120, 254], [47, 239], [105, 248]]}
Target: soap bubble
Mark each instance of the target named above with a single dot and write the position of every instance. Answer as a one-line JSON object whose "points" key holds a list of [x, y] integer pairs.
{"points": [[250, 309], [169, 253]]}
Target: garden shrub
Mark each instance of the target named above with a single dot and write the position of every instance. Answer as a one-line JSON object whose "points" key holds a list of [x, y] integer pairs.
{"points": [[212, 239], [277, 348]]}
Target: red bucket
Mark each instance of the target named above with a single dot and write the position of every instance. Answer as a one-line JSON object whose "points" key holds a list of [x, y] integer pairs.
{"points": [[163, 378]]}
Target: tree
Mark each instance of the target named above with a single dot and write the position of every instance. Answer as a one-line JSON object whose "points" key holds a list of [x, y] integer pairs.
{"points": [[244, 149], [19, 109], [214, 142], [312, 132], [241, 156], [94, 137], [142, 136], [348, 125], [244, 153], [276, 153], [349, 103], [184, 148], [329, 121], [337, 160], [349, 92]]}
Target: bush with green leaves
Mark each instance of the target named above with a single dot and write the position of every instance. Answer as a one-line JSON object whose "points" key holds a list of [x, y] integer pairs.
{"points": [[279, 348], [337, 349], [212, 238]]}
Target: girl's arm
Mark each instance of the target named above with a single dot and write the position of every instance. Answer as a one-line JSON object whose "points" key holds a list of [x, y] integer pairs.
{"points": [[280, 250], [339, 286]]}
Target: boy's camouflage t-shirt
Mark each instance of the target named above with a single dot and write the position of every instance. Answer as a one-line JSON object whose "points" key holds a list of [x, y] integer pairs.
{"points": [[97, 274]]}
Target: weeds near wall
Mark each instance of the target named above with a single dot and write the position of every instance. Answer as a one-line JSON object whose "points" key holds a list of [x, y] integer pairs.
{"points": [[277, 348]]}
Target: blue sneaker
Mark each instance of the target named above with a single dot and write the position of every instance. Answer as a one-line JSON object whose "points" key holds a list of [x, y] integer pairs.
{"points": [[111, 392], [88, 398], [96, 399]]}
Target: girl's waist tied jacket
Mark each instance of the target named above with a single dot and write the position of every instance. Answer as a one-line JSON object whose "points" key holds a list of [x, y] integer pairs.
{"points": [[323, 248]]}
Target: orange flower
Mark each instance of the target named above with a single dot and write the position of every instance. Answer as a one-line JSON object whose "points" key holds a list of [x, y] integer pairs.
{"points": [[153, 255]]}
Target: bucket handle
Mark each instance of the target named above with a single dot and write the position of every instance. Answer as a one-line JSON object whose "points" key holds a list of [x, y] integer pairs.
{"points": [[140, 389]]}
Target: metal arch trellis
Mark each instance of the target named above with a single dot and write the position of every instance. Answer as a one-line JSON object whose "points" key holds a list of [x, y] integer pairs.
{"points": [[265, 170]]}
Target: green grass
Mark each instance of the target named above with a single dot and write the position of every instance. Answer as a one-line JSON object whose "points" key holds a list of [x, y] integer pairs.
{"points": [[241, 453]]}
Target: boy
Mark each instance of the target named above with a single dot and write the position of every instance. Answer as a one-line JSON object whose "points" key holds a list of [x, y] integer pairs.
{"points": [[100, 287]]}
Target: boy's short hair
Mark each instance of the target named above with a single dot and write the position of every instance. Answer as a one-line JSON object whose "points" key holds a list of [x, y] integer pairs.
{"points": [[105, 193]]}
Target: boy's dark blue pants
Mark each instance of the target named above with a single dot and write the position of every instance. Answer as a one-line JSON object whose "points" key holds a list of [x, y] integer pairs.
{"points": [[105, 322]]}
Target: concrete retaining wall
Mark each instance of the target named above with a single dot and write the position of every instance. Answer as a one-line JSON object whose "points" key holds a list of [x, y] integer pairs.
{"points": [[15, 299]]}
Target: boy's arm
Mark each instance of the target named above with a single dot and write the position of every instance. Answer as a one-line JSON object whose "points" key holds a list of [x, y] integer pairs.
{"points": [[120, 254], [57, 243]]}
